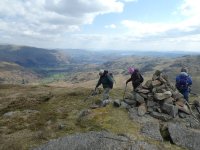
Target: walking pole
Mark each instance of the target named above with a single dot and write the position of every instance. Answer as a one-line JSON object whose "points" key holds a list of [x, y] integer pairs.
{"points": [[92, 93], [124, 92]]}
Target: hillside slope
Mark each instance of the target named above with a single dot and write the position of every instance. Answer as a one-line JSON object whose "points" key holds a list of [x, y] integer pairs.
{"points": [[32, 57]]}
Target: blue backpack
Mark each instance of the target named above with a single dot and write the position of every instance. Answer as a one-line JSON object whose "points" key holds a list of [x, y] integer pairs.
{"points": [[182, 83]]}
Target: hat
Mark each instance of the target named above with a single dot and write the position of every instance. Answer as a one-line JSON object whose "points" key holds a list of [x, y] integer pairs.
{"points": [[131, 70], [101, 71]]}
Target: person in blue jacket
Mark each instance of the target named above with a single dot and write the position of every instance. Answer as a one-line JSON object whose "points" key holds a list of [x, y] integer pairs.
{"points": [[183, 83]]}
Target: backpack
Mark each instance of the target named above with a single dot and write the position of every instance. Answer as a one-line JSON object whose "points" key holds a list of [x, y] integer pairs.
{"points": [[110, 74], [141, 78], [182, 83]]}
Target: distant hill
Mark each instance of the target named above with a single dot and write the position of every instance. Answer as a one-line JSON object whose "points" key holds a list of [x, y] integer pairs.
{"points": [[79, 67], [32, 57], [26, 64]]}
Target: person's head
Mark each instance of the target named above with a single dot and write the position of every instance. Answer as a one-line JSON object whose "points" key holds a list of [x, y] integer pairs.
{"points": [[184, 69], [131, 70], [101, 72]]}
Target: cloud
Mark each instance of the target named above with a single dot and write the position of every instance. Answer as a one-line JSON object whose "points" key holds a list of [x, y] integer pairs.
{"points": [[111, 26], [188, 28], [50, 18], [58, 23], [130, 0], [190, 8]]}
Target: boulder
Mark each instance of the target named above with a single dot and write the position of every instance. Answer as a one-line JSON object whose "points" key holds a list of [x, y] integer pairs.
{"points": [[139, 98], [163, 78], [176, 95], [156, 83], [170, 109], [130, 102], [161, 116], [148, 84], [180, 103], [125, 105], [162, 96], [144, 95], [169, 100], [184, 109], [145, 91], [151, 103], [156, 75], [117, 103], [142, 109], [182, 136], [182, 115], [159, 88]]}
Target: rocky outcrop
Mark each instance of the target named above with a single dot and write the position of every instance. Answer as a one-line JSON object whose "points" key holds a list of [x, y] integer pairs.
{"points": [[96, 141], [185, 137], [159, 98]]}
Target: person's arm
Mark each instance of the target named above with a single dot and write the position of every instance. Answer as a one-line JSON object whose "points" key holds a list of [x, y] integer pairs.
{"points": [[189, 81], [128, 80], [177, 81], [98, 84]]}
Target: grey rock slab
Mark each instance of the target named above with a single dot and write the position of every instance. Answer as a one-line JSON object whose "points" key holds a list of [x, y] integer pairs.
{"points": [[152, 130], [133, 114], [96, 141], [186, 137], [140, 145], [88, 141]]}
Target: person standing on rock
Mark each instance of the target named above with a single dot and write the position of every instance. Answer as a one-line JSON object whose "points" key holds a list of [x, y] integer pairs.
{"points": [[136, 79], [183, 83], [107, 81]]}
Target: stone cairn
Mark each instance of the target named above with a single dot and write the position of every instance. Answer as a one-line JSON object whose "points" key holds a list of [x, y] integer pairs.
{"points": [[159, 98]]}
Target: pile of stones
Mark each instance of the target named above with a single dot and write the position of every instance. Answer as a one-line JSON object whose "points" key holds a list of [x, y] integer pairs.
{"points": [[158, 97]]}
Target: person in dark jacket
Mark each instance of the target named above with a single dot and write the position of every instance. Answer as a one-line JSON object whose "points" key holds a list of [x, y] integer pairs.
{"points": [[136, 79], [183, 83], [107, 83]]}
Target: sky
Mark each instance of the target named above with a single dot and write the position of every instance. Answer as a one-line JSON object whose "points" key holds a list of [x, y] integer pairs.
{"points": [[160, 25]]}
